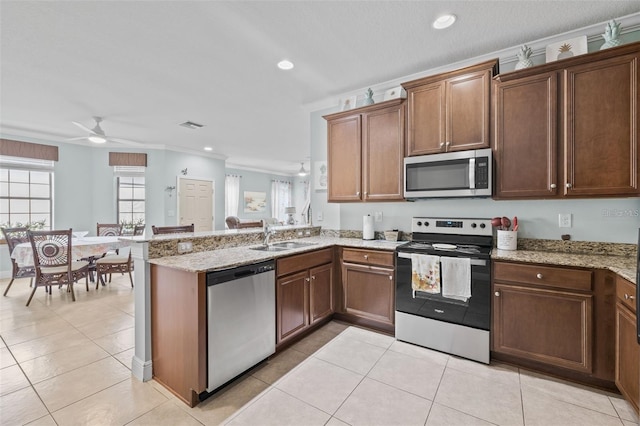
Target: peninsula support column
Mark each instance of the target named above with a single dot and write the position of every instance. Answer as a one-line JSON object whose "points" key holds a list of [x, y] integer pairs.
{"points": [[141, 365]]}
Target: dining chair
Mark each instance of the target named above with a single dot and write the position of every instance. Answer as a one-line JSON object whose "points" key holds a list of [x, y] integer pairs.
{"points": [[13, 237], [171, 229], [54, 263], [138, 230], [113, 264], [108, 229]]}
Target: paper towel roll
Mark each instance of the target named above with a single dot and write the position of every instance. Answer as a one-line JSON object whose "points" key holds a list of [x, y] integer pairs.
{"points": [[367, 227]]}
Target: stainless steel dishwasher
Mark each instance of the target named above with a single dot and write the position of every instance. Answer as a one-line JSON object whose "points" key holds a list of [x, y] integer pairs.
{"points": [[241, 320]]}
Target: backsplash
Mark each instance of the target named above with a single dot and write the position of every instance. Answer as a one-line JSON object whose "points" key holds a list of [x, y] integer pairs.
{"points": [[578, 247]]}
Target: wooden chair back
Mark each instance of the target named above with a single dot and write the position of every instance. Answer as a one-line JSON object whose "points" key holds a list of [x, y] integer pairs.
{"points": [[172, 229], [13, 237], [108, 229], [138, 230], [51, 248]]}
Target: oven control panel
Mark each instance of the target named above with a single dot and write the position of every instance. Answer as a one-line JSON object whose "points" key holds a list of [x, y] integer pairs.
{"points": [[441, 225]]}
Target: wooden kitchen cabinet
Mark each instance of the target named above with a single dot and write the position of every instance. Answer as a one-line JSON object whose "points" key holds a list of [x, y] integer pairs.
{"points": [[543, 314], [569, 128], [304, 292], [366, 153], [450, 111], [368, 287], [627, 347]]}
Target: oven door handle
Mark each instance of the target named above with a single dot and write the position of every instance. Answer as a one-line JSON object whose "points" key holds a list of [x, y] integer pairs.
{"points": [[476, 262]]}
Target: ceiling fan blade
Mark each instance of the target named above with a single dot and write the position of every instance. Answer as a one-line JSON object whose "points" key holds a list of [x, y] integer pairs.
{"points": [[76, 139], [83, 127]]}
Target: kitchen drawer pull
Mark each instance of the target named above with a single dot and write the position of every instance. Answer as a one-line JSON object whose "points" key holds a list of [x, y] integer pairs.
{"points": [[539, 276], [628, 297], [366, 256], [568, 185], [553, 186], [497, 293]]}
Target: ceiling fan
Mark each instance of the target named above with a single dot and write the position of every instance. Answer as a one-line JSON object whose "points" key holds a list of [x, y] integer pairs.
{"points": [[97, 134]]}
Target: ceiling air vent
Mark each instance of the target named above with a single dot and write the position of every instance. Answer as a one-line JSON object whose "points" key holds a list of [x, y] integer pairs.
{"points": [[191, 125]]}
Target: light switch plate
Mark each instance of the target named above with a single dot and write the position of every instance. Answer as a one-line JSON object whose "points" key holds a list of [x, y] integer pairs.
{"points": [[377, 216]]}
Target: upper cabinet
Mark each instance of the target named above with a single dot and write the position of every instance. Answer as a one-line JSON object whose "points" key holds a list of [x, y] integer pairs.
{"points": [[450, 111], [569, 128], [366, 152]]}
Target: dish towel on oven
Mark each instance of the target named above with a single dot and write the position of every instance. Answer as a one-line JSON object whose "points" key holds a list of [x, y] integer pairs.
{"points": [[456, 278], [425, 273]]}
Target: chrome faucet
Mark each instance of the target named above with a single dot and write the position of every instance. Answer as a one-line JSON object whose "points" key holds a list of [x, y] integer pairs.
{"points": [[268, 232]]}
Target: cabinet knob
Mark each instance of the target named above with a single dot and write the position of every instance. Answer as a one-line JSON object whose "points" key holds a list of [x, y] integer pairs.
{"points": [[441, 144], [448, 143], [307, 279], [628, 297], [365, 193], [553, 186], [358, 193], [313, 277], [366, 256], [390, 277], [539, 276], [568, 185], [497, 293]]}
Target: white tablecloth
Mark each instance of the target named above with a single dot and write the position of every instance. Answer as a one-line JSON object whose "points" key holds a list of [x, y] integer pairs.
{"points": [[80, 247]]}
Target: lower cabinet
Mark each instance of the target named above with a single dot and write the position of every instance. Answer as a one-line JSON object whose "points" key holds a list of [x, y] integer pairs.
{"points": [[304, 292], [544, 314], [627, 347], [368, 287]]}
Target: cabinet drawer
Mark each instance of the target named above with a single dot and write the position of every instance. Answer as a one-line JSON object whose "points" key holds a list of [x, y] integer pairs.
{"points": [[626, 293], [368, 257], [300, 262], [548, 276]]}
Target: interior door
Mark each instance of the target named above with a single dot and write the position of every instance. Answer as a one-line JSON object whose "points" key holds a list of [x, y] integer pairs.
{"points": [[195, 203]]}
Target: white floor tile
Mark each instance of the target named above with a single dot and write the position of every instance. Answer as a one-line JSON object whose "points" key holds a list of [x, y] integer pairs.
{"points": [[445, 416], [353, 355], [374, 403]]}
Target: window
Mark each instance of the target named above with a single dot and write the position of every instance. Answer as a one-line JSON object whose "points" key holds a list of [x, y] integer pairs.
{"points": [[131, 196], [26, 192], [280, 198]]}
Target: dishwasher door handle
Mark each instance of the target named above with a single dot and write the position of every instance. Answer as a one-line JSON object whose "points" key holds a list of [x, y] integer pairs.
{"points": [[242, 274]]}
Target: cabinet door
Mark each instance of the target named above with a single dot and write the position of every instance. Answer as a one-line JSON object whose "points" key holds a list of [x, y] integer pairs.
{"points": [[601, 127], [526, 141], [552, 327], [383, 154], [320, 292], [292, 305], [369, 292], [344, 159], [468, 107], [426, 119], [627, 355]]}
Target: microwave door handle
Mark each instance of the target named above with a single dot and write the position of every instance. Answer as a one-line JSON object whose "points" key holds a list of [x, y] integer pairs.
{"points": [[472, 173]]}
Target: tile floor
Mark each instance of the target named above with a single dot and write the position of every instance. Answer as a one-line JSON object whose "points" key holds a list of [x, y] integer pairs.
{"points": [[68, 363]]}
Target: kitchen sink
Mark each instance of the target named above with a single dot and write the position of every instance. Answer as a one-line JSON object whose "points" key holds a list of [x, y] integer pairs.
{"points": [[291, 244], [268, 248]]}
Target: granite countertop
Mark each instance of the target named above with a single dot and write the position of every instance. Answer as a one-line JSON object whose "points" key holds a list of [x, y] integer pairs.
{"points": [[237, 256], [625, 266]]}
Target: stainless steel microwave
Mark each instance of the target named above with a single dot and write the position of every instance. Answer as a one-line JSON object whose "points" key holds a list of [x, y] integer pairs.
{"points": [[450, 174]]}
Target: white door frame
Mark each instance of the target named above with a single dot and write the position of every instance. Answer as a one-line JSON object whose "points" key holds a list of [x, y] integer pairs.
{"points": [[213, 197]]}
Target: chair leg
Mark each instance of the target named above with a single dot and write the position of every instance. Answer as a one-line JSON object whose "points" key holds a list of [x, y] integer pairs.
{"points": [[32, 293], [73, 295], [86, 281], [9, 286], [131, 279]]}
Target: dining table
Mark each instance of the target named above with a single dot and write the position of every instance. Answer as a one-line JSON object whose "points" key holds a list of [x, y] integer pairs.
{"points": [[81, 248]]}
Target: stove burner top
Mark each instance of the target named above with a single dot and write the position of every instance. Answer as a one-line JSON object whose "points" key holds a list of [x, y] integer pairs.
{"points": [[460, 248]]}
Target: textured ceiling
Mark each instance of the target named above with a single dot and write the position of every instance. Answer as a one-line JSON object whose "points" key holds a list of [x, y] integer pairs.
{"points": [[146, 66]]}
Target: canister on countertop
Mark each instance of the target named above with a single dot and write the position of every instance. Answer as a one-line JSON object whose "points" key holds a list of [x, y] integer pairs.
{"points": [[367, 227]]}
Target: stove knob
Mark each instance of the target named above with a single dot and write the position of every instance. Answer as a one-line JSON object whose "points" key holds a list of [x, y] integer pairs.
{"points": [[426, 224], [419, 223], [482, 225], [473, 225]]}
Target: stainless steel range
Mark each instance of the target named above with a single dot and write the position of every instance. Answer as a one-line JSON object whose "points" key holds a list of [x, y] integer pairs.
{"points": [[443, 286]]}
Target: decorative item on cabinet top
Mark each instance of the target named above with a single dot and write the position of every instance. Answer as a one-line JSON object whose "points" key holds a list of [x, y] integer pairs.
{"points": [[611, 35], [524, 57], [395, 93], [566, 49], [349, 103], [368, 97]]}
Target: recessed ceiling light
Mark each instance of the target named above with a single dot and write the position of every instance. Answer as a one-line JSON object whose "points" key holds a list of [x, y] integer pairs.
{"points": [[444, 21], [285, 65], [208, 148]]}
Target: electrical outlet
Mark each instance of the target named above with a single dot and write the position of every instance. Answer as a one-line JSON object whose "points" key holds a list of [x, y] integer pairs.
{"points": [[377, 216], [299, 233], [307, 232], [564, 220], [185, 247]]}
